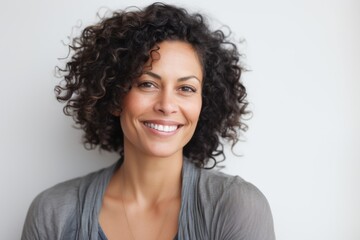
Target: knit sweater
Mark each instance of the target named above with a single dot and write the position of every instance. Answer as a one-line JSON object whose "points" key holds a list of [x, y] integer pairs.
{"points": [[214, 206]]}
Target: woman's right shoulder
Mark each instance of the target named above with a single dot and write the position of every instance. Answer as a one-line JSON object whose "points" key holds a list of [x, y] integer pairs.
{"points": [[58, 196], [64, 194], [57, 207]]}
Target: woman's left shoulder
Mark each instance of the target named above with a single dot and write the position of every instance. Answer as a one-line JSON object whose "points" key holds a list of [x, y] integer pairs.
{"points": [[217, 184], [237, 206]]}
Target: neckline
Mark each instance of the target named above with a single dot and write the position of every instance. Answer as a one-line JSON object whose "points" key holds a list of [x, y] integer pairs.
{"points": [[188, 174]]}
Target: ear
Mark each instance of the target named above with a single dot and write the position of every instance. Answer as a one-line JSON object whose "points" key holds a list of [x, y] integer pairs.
{"points": [[116, 112]]}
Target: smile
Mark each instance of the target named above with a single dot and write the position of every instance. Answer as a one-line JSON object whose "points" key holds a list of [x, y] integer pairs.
{"points": [[162, 128]]}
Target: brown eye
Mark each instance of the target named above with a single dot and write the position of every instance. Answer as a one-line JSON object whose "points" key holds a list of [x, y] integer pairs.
{"points": [[147, 85], [188, 89]]}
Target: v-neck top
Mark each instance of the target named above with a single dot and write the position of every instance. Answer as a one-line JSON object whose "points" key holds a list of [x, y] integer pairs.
{"points": [[214, 206]]}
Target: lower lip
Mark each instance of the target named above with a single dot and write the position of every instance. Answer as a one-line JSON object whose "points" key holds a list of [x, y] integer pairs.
{"points": [[160, 133]]}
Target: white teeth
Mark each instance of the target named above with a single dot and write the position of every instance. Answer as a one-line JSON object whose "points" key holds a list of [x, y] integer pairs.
{"points": [[161, 128]]}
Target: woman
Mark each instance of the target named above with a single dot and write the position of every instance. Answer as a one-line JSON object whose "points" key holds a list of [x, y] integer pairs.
{"points": [[162, 89]]}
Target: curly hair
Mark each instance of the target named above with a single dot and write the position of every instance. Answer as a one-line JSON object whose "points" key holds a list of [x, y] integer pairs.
{"points": [[108, 56]]}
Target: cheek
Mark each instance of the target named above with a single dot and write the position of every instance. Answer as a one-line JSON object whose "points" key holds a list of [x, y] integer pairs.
{"points": [[133, 104], [194, 110], [125, 124]]}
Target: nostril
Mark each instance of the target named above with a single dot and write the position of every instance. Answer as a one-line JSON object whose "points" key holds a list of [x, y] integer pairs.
{"points": [[166, 107]]}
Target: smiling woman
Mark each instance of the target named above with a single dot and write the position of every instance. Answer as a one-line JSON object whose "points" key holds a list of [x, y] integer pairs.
{"points": [[160, 112], [162, 89]]}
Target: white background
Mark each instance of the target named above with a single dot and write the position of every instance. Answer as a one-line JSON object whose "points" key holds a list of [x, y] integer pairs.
{"points": [[303, 146]]}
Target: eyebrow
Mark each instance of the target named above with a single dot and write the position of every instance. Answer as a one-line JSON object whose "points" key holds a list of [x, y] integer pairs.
{"points": [[154, 75]]}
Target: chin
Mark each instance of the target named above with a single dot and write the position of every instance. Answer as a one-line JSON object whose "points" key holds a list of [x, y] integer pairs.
{"points": [[164, 152]]}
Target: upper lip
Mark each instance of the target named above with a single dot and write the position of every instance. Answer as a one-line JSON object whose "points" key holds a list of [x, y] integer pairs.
{"points": [[164, 122]]}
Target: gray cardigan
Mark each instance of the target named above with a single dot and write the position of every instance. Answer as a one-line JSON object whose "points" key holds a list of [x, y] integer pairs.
{"points": [[214, 206]]}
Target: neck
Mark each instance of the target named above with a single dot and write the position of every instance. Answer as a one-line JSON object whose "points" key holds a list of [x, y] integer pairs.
{"points": [[149, 180]]}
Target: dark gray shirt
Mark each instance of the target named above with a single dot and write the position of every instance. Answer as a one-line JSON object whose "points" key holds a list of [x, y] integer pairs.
{"points": [[214, 206]]}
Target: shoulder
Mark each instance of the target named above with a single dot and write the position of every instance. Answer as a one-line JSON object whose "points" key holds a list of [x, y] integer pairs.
{"points": [[214, 184], [57, 207], [63, 197], [236, 205]]}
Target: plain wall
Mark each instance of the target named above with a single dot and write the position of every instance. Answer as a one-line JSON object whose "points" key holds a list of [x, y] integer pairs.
{"points": [[303, 146]]}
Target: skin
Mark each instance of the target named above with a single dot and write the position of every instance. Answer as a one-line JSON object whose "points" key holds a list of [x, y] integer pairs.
{"points": [[158, 118]]}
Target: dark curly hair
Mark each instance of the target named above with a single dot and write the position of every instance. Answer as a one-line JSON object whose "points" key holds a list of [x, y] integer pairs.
{"points": [[109, 56]]}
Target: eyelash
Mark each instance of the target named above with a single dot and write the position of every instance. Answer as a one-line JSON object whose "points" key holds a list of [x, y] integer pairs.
{"points": [[188, 89], [145, 84]]}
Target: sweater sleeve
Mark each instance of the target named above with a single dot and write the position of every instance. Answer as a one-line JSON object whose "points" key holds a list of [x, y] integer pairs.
{"points": [[68, 210], [242, 213], [51, 212], [30, 229]]}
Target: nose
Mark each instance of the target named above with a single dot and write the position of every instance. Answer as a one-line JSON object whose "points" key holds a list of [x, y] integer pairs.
{"points": [[166, 103]]}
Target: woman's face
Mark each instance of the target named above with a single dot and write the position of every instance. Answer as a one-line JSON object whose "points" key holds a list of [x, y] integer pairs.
{"points": [[161, 110]]}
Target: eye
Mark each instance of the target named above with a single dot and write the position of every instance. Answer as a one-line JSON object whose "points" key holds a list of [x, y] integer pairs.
{"points": [[187, 89], [146, 85]]}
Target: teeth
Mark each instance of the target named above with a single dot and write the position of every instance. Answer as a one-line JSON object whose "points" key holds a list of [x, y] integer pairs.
{"points": [[161, 128]]}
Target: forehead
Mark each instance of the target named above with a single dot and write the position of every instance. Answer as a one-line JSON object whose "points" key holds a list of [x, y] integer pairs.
{"points": [[175, 55]]}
